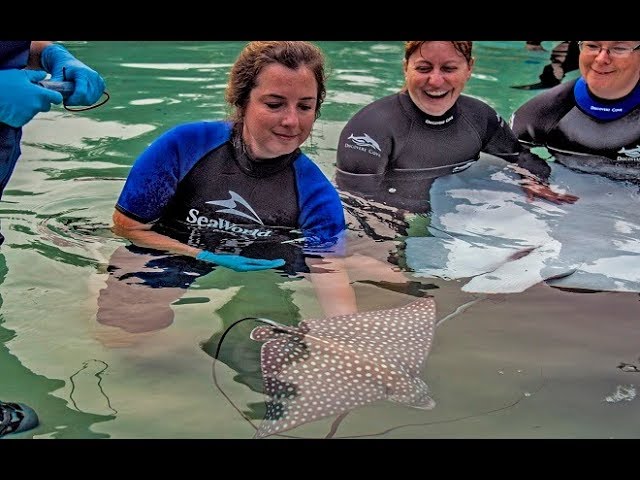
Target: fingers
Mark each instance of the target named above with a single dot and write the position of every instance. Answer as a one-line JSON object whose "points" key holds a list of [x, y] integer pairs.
{"points": [[256, 267], [51, 96], [530, 195], [534, 190], [255, 264], [88, 86], [560, 197], [570, 198], [35, 75], [266, 263]]}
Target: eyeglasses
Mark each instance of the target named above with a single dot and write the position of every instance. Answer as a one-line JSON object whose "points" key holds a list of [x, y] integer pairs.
{"points": [[617, 51]]}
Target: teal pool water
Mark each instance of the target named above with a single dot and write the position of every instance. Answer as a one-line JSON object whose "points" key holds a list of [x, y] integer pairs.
{"points": [[538, 364]]}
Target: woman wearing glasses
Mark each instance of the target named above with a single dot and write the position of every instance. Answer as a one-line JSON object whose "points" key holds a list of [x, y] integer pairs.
{"points": [[592, 123]]}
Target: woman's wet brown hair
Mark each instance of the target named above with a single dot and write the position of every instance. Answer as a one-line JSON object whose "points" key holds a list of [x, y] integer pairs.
{"points": [[257, 55], [464, 48]]}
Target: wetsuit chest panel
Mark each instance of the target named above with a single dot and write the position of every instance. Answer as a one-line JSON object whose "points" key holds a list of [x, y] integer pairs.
{"points": [[576, 132], [217, 196], [392, 151], [426, 148]]}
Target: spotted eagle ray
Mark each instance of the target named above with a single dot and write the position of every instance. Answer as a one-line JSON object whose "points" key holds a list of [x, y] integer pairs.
{"points": [[329, 366]]}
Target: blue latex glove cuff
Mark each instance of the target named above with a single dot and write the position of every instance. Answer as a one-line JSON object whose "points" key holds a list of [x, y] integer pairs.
{"points": [[238, 262], [63, 66]]}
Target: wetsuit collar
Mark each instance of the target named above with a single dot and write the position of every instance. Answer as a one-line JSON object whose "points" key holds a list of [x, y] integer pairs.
{"points": [[602, 109], [264, 168], [432, 121]]}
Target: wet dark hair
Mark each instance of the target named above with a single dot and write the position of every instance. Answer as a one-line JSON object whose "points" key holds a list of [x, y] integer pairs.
{"points": [[257, 55], [464, 48]]}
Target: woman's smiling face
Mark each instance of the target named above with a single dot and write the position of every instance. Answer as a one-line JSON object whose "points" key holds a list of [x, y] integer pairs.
{"points": [[435, 76], [610, 77], [281, 111]]}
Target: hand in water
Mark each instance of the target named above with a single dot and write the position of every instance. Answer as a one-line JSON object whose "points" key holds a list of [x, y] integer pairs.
{"points": [[238, 262], [534, 188]]}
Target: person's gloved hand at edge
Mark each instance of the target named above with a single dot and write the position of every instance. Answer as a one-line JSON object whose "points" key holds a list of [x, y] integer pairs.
{"points": [[238, 262], [88, 84], [21, 99]]}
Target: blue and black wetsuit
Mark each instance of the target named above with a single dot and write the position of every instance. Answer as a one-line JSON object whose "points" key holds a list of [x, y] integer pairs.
{"points": [[196, 185], [584, 132], [391, 151]]}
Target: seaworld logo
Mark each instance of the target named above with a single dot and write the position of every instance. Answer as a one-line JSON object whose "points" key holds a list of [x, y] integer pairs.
{"points": [[364, 143], [222, 224], [234, 200], [631, 153]]}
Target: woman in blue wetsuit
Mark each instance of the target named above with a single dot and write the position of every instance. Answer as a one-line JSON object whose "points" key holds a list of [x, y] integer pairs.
{"points": [[393, 149], [591, 124], [238, 194]]}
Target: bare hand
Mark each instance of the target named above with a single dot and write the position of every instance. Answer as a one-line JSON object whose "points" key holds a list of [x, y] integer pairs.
{"points": [[535, 189]]}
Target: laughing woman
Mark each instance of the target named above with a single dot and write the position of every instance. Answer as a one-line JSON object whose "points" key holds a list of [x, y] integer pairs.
{"points": [[394, 148]]}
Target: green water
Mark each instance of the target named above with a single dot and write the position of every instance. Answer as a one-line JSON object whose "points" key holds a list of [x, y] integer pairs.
{"points": [[533, 365]]}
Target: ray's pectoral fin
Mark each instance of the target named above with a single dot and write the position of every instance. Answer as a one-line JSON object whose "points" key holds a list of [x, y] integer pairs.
{"points": [[413, 392], [262, 334]]}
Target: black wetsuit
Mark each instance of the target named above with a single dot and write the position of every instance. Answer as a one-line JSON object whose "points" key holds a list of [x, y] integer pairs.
{"points": [[584, 132], [391, 151]]}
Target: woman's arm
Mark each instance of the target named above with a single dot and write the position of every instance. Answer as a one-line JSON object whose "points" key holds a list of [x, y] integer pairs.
{"points": [[332, 286], [35, 53], [141, 234]]}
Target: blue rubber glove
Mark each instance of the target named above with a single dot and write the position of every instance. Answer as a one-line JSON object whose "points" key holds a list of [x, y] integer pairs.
{"points": [[21, 99], [238, 262], [89, 85]]}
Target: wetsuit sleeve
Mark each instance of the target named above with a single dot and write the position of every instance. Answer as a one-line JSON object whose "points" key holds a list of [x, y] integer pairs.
{"points": [[364, 152], [497, 138], [502, 142], [154, 177], [321, 215], [525, 123], [534, 164], [533, 121], [14, 54]]}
